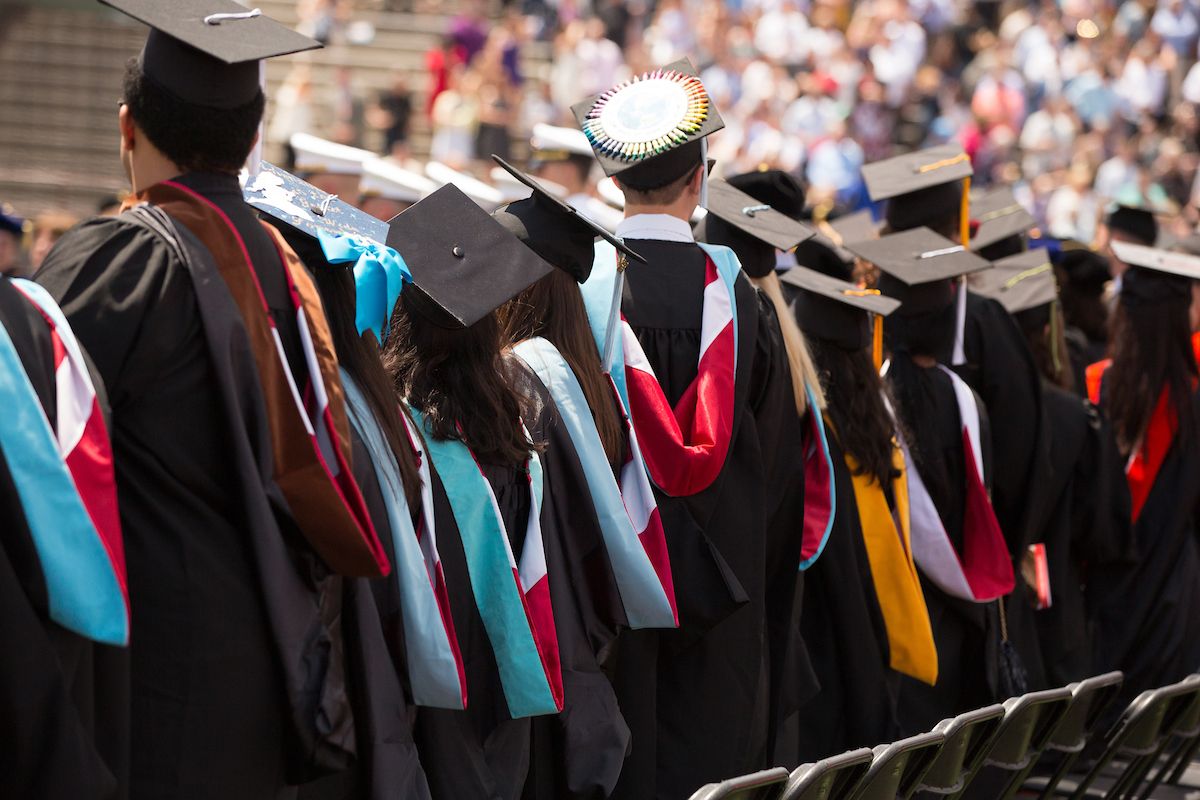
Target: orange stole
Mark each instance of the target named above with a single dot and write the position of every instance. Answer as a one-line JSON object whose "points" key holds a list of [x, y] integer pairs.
{"points": [[897, 585]]}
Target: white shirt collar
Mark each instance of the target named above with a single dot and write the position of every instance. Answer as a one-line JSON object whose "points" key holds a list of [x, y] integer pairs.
{"points": [[662, 227]]}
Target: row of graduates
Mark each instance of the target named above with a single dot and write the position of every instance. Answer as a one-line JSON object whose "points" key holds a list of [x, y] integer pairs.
{"points": [[468, 506]]}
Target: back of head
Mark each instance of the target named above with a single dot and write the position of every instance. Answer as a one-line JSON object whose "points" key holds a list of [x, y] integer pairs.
{"points": [[938, 208], [1133, 224], [1082, 275]]}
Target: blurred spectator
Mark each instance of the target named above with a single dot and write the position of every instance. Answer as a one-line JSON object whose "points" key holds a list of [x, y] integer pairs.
{"points": [[47, 228], [392, 114], [440, 61], [1175, 22], [293, 110], [496, 94], [1073, 210], [1118, 173], [454, 117], [347, 109], [469, 30], [11, 230]]}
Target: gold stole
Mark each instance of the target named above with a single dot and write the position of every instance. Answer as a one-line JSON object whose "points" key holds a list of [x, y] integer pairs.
{"points": [[897, 586]]}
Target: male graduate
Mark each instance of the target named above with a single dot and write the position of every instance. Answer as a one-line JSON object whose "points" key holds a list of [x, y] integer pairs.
{"points": [[229, 430], [700, 358], [63, 608]]}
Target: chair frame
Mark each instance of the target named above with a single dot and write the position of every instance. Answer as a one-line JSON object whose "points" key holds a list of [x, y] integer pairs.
{"points": [[728, 789], [925, 745], [974, 752], [807, 775], [1098, 693]]}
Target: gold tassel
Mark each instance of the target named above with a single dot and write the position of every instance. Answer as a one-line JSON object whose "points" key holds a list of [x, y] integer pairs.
{"points": [[965, 221], [877, 342]]}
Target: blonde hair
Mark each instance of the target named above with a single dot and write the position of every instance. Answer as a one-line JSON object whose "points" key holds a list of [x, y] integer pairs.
{"points": [[804, 373]]}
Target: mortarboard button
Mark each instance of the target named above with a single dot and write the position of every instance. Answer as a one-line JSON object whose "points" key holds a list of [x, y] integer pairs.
{"points": [[457, 251]]}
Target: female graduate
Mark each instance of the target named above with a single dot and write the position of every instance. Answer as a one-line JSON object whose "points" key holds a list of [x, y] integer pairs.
{"points": [[957, 542], [1148, 623], [513, 538], [866, 580], [1087, 510]]}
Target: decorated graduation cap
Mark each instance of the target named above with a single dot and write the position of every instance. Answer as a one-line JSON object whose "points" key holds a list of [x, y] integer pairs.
{"points": [[918, 266], [925, 188], [996, 215], [464, 263], [390, 181], [1157, 276], [328, 232], [838, 311], [554, 230], [751, 225], [206, 52], [650, 130]]}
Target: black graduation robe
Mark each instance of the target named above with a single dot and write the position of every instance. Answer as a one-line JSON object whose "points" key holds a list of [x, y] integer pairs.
{"points": [[64, 698], [1087, 528], [1148, 612], [231, 641], [482, 752], [856, 706], [963, 631], [706, 701]]}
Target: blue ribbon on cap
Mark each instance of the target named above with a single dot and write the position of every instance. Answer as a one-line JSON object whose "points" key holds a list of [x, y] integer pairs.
{"points": [[379, 276]]}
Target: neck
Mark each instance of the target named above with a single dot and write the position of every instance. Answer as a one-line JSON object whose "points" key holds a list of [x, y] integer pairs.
{"points": [[680, 209], [149, 169]]}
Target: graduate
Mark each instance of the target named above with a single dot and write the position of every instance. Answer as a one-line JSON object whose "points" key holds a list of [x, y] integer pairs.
{"points": [[926, 188], [700, 358], [865, 580], [230, 439], [506, 489], [1082, 275], [64, 609], [754, 214], [359, 280], [1087, 526], [957, 541], [1147, 621], [999, 223]]}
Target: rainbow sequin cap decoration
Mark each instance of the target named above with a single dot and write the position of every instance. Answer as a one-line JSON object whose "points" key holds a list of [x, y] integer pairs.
{"points": [[647, 117]]}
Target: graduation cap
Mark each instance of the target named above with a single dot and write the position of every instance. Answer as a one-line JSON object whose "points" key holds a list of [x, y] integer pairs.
{"points": [[390, 181], [1020, 283], [485, 196], [554, 230], [918, 265], [1156, 275], [315, 155], [464, 264], [551, 143], [838, 311], [10, 221], [206, 52], [835, 233], [933, 184], [751, 227], [998, 216], [302, 206], [650, 130], [1135, 218]]}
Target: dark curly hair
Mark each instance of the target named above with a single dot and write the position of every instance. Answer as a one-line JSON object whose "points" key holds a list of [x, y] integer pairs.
{"points": [[458, 379], [195, 138]]}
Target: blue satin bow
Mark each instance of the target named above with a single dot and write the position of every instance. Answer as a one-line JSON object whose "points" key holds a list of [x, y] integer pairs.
{"points": [[379, 276]]}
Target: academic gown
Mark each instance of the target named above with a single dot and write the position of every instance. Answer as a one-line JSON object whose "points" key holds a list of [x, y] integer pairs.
{"points": [[856, 706], [64, 697], [705, 702], [1002, 372], [482, 752], [1088, 528], [1148, 612], [963, 631], [230, 640]]}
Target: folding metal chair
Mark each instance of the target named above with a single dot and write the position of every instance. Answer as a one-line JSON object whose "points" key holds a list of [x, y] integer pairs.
{"points": [[1187, 732], [969, 737], [832, 778], [1139, 736], [1028, 723], [897, 768], [764, 785], [1092, 697]]}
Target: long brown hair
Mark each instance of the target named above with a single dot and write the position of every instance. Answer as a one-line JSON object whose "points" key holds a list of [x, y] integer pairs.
{"points": [[458, 380], [804, 374], [553, 309], [1151, 346]]}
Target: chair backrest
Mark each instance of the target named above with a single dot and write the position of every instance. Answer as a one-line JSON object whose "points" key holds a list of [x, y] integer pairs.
{"points": [[764, 785], [897, 768], [1029, 721], [832, 778], [1092, 697], [1187, 725], [969, 738]]}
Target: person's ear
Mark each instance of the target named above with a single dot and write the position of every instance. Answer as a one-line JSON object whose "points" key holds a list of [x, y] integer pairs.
{"points": [[127, 126], [697, 181]]}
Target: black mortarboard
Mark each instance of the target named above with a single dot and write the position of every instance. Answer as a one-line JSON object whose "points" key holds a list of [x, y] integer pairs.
{"points": [[1136, 221], [998, 216], [554, 230], [648, 131], [781, 190], [918, 265], [303, 206], [834, 310], [206, 52], [1020, 283], [464, 264], [752, 228]]}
